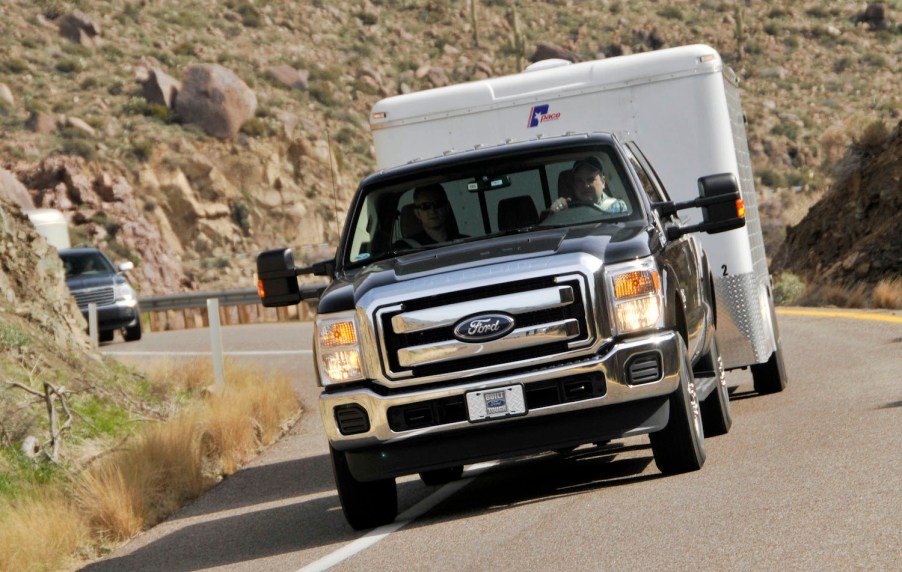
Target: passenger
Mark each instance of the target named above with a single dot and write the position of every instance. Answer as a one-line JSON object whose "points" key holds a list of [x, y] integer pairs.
{"points": [[433, 210], [589, 188]]}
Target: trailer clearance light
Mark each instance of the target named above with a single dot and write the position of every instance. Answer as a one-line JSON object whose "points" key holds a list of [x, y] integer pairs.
{"points": [[636, 296], [337, 349]]}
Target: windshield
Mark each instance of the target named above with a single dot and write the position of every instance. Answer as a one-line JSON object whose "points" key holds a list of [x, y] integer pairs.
{"points": [[484, 199], [86, 264]]}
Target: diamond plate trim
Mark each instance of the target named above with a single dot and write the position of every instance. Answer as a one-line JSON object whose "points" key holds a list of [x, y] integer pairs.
{"points": [[743, 335]]}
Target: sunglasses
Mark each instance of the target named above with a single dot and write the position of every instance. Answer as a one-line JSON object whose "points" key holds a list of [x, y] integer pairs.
{"points": [[428, 206]]}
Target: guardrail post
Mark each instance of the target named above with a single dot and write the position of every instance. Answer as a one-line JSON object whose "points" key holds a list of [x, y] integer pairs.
{"points": [[216, 343], [92, 324]]}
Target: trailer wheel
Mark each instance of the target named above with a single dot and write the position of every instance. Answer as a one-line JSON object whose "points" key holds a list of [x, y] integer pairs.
{"points": [[680, 446], [365, 504], [770, 376], [442, 476], [716, 415]]}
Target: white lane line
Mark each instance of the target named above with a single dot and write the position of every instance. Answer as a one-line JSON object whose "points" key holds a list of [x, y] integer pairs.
{"points": [[235, 353], [405, 518]]}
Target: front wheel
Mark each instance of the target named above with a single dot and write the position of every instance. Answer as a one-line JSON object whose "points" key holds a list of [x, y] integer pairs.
{"points": [[132, 333], [680, 446], [365, 504]]}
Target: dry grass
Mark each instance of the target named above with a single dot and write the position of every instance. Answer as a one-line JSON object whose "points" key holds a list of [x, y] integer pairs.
{"points": [[837, 296], [888, 294], [40, 532], [166, 465]]}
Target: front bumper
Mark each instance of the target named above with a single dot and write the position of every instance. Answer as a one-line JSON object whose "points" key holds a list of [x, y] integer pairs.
{"points": [[114, 316], [620, 409]]}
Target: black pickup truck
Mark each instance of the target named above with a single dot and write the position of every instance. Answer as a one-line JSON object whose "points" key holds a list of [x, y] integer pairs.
{"points": [[542, 321]]}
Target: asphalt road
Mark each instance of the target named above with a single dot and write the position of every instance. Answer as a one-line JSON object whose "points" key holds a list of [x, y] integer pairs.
{"points": [[808, 479]]}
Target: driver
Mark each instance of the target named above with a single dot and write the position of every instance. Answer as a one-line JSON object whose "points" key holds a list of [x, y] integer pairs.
{"points": [[589, 188]]}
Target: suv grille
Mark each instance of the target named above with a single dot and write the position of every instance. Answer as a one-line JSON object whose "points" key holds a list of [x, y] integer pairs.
{"points": [[549, 313], [102, 296]]}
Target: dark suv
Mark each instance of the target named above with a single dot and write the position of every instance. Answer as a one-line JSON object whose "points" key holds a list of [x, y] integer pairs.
{"points": [[91, 277]]}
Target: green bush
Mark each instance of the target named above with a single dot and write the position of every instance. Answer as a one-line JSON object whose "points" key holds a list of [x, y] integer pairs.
{"points": [[70, 65], [143, 150], [671, 12], [79, 147], [255, 127], [788, 289]]}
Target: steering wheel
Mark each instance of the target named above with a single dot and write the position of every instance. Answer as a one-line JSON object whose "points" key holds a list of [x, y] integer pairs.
{"points": [[585, 204]]}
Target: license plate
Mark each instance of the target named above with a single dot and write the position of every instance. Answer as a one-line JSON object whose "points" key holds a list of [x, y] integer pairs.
{"points": [[496, 403]]}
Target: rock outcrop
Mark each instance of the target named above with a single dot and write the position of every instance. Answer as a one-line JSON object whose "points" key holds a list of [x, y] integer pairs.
{"points": [[854, 233]]}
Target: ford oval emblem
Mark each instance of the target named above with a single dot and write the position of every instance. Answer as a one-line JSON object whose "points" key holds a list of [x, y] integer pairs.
{"points": [[484, 327]]}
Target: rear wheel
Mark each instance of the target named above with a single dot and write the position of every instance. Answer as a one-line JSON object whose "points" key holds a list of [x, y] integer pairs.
{"points": [[716, 415], [132, 333], [442, 476], [770, 376], [365, 504], [680, 446]]}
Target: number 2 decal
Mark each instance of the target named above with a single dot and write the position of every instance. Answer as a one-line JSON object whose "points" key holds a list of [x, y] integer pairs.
{"points": [[724, 267]]}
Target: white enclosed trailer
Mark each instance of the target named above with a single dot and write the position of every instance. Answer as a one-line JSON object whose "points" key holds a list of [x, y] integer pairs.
{"points": [[680, 105]]}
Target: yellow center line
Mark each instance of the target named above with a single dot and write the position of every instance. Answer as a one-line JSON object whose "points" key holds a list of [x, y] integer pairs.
{"points": [[829, 313]]}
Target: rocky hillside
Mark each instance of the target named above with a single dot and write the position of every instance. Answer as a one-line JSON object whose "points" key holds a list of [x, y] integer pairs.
{"points": [[188, 135], [853, 234]]}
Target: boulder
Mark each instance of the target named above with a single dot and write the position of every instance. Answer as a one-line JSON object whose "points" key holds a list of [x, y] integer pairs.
{"points": [[215, 99], [14, 191], [40, 122], [79, 28], [81, 125], [289, 76], [160, 88], [6, 96], [549, 51]]}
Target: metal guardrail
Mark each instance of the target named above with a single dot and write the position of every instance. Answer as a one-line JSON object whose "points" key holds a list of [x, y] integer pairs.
{"points": [[197, 300]]}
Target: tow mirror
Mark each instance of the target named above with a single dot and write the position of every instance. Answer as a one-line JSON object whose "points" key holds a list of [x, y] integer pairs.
{"points": [[126, 266], [721, 204], [277, 282]]}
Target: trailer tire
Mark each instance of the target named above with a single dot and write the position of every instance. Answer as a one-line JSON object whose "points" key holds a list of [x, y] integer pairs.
{"points": [[365, 504], [680, 446], [770, 376], [442, 476], [717, 417]]}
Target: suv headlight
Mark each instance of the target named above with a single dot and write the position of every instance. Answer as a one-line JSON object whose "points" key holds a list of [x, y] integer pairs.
{"points": [[123, 292], [338, 349], [636, 297]]}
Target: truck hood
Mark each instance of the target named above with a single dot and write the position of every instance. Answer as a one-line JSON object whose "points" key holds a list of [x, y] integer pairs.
{"points": [[85, 282], [610, 243]]}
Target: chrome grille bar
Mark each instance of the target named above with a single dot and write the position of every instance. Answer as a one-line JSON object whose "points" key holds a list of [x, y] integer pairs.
{"points": [[518, 303], [519, 338]]}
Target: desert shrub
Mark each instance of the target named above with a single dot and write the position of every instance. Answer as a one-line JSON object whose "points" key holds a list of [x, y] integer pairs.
{"points": [[888, 294], [241, 216], [255, 127], [80, 147], [15, 65], [70, 65], [771, 178], [788, 288], [671, 12], [143, 149], [843, 63], [874, 60]]}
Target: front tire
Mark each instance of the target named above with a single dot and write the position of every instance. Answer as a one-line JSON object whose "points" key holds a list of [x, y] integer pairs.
{"points": [[132, 333], [716, 415], [365, 504], [680, 446]]}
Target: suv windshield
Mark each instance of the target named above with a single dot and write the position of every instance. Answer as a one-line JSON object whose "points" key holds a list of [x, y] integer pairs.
{"points": [[86, 264], [486, 198]]}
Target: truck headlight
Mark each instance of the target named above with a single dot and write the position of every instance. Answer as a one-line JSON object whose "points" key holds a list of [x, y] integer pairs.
{"points": [[338, 349], [123, 293], [636, 297]]}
